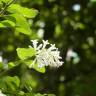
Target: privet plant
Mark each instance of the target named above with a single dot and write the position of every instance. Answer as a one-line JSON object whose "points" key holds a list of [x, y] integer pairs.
{"points": [[37, 56]]}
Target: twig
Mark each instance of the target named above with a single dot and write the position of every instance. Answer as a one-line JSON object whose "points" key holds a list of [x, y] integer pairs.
{"points": [[8, 4]]}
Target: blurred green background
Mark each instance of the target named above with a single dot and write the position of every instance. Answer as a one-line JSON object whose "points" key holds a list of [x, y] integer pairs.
{"points": [[71, 25]]}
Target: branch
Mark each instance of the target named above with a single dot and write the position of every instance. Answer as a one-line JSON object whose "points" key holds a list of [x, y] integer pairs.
{"points": [[5, 7]]}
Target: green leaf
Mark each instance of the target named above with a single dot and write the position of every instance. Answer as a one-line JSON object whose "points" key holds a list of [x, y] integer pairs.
{"points": [[5, 1], [1, 25], [11, 65], [35, 66], [1, 65], [26, 12], [25, 53], [8, 23], [14, 8], [21, 93], [29, 13], [9, 83], [21, 24], [42, 70], [38, 94]]}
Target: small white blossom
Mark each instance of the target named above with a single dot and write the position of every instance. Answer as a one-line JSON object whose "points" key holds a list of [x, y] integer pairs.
{"points": [[1, 94], [47, 54]]}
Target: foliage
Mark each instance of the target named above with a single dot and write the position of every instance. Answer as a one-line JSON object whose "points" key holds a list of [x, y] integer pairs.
{"points": [[70, 25], [16, 19]]}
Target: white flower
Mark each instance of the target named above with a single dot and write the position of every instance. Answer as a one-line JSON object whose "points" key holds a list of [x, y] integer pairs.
{"points": [[1, 94], [47, 54]]}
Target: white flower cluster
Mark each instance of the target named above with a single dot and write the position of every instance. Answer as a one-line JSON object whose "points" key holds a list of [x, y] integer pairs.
{"points": [[1, 94], [47, 54]]}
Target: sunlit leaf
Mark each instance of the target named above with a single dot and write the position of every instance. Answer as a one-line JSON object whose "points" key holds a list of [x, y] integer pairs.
{"points": [[42, 70], [8, 23], [25, 53], [11, 64], [21, 24], [1, 65], [1, 25], [26, 12], [35, 66], [5, 1]]}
